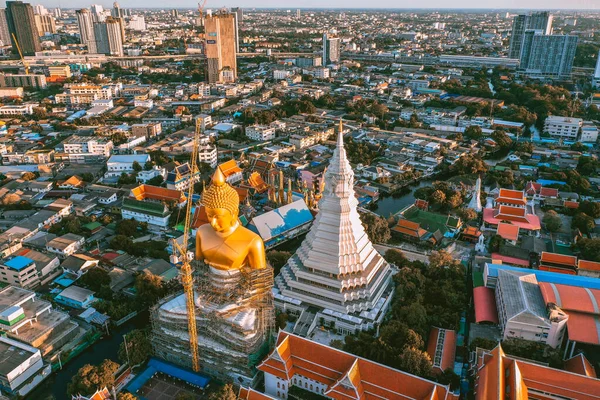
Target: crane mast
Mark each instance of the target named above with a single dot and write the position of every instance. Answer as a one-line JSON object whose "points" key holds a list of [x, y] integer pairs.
{"points": [[186, 271], [25, 64]]}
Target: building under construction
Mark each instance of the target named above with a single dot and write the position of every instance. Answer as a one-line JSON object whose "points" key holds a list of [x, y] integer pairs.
{"points": [[234, 322]]}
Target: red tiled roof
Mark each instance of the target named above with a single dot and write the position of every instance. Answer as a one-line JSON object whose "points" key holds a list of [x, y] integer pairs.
{"points": [[251, 394], [341, 371], [555, 258], [510, 260], [508, 231], [200, 218], [422, 204], [529, 222], [512, 194], [549, 192], [580, 365], [472, 231], [441, 347], [485, 305], [501, 378], [588, 265], [149, 192], [571, 204], [558, 270], [533, 187]]}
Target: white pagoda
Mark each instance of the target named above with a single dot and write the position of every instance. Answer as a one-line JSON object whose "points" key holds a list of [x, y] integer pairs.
{"points": [[475, 202], [336, 277]]}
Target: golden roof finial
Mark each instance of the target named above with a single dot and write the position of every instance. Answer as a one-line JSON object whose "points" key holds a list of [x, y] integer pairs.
{"points": [[220, 194]]}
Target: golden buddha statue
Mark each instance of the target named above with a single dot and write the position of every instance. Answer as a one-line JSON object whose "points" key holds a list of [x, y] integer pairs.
{"points": [[224, 244]]}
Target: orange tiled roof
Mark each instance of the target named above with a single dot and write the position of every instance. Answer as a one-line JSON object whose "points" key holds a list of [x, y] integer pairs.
{"points": [[345, 375], [558, 270], [580, 365], [251, 394], [555, 258], [257, 183], [472, 231], [409, 228], [508, 231], [229, 168], [571, 204], [73, 181], [500, 377], [511, 194], [200, 217], [149, 192], [441, 347], [549, 192], [589, 265]]}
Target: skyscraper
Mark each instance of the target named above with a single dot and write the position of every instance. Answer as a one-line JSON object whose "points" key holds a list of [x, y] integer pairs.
{"points": [[21, 22], [97, 13], [45, 24], [237, 20], [547, 55], [109, 39], [239, 12], [220, 47], [538, 20], [117, 12], [85, 20], [4, 33], [331, 49]]}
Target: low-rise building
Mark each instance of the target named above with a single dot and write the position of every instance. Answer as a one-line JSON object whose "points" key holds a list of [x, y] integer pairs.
{"points": [[522, 312], [207, 151], [23, 109], [181, 177], [260, 133], [76, 297], [563, 127], [123, 163], [82, 145], [65, 245], [19, 271], [156, 214], [22, 367], [589, 132]]}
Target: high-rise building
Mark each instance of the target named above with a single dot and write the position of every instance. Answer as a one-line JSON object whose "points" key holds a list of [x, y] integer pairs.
{"points": [[39, 9], [98, 12], [547, 55], [4, 33], [239, 12], [85, 20], [21, 23], [538, 20], [116, 12], [220, 47], [331, 49], [237, 20], [137, 23], [298, 13], [336, 275], [57, 12], [45, 24], [109, 37]]}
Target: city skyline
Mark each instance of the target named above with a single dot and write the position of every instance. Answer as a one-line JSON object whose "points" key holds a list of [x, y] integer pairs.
{"points": [[587, 5]]}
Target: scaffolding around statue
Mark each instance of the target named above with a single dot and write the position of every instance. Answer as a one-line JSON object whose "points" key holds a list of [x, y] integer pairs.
{"points": [[235, 323]]}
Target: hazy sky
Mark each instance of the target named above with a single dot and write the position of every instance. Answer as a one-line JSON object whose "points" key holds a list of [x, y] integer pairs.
{"points": [[512, 4]]}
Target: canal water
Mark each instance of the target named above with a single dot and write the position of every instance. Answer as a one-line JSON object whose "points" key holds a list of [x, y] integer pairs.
{"points": [[55, 387], [389, 204]]}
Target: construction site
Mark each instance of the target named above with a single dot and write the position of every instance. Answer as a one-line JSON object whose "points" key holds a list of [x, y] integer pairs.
{"points": [[234, 318]]}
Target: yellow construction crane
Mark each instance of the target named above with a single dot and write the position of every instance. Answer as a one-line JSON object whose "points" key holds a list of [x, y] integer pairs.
{"points": [[186, 257], [25, 64]]}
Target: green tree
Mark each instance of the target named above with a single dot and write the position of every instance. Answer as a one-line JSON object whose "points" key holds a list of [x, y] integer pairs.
{"points": [[473, 132], [87, 177], [90, 378], [502, 139], [552, 221], [467, 214], [415, 361], [495, 242], [589, 249], [441, 259], [225, 392], [95, 278], [136, 166], [281, 320], [126, 396], [149, 288], [277, 259], [29, 176], [448, 377], [395, 257], [376, 227], [437, 197], [583, 222], [591, 208], [127, 227], [156, 181], [137, 346], [148, 165]]}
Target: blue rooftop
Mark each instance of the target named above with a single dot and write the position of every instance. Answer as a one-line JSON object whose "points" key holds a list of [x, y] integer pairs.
{"points": [[549, 277], [18, 263]]}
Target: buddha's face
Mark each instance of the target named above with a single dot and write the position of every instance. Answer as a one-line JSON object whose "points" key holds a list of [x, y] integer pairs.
{"points": [[221, 219]]}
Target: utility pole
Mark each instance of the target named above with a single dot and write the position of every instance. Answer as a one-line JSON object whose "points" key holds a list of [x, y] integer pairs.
{"points": [[126, 349]]}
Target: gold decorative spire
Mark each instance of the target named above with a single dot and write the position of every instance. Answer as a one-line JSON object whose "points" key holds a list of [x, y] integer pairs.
{"points": [[220, 194], [289, 191]]}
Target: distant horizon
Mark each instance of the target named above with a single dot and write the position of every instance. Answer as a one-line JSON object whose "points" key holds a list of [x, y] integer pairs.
{"points": [[428, 5]]}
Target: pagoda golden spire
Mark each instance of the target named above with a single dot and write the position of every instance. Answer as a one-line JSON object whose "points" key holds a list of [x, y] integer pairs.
{"points": [[280, 198]]}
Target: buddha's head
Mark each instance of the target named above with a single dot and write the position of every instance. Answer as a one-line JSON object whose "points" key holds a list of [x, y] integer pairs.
{"points": [[222, 203]]}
